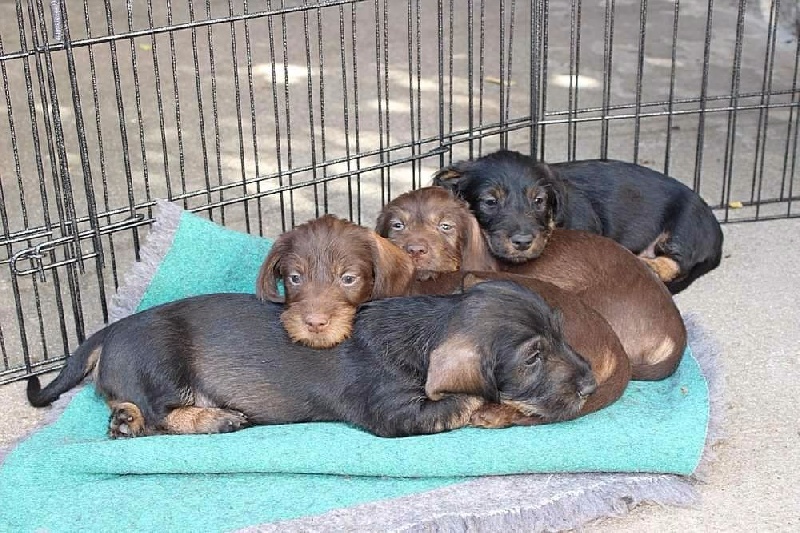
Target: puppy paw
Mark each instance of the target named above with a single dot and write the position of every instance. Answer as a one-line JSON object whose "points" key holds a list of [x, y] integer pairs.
{"points": [[126, 420], [231, 421], [496, 416], [196, 420], [491, 416]]}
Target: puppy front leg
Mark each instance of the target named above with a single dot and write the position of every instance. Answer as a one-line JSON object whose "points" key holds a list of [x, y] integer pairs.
{"points": [[127, 420], [195, 420], [497, 415], [419, 415]]}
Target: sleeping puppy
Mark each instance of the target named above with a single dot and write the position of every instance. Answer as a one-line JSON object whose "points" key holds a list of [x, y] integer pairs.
{"points": [[443, 239], [603, 274], [518, 201], [329, 266], [585, 331], [416, 365]]}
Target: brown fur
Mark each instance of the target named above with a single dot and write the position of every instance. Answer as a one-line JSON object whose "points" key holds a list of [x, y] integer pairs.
{"points": [[193, 420], [584, 330], [622, 289], [606, 277], [329, 267], [516, 199], [437, 230]]}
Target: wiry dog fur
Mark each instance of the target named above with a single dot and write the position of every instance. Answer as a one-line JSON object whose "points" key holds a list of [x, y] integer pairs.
{"points": [[436, 230], [444, 241], [518, 201], [329, 267], [585, 331], [605, 276], [218, 363]]}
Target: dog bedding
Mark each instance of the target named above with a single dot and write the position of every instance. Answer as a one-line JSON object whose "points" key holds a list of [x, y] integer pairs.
{"points": [[70, 476]]}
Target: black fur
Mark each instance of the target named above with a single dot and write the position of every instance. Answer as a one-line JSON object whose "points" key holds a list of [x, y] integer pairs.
{"points": [[229, 351], [628, 203]]}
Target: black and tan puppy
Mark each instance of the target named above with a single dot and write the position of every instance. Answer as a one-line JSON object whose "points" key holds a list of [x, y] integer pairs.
{"points": [[218, 363], [603, 274], [588, 333], [518, 201]]}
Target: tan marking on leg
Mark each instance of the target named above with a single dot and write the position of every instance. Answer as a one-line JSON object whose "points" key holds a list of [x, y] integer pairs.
{"points": [[92, 362], [496, 416], [665, 268], [193, 420], [126, 420], [604, 366], [470, 404], [664, 350]]}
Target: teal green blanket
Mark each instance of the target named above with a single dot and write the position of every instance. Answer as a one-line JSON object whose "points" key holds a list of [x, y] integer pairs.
{"points": [[69, 476]]}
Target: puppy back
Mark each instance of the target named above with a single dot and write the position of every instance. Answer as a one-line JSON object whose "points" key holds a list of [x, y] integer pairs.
{"points": [[623, 290]]}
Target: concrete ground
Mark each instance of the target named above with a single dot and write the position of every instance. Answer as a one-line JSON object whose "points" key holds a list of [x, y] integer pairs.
{"points": [[748, 303]]}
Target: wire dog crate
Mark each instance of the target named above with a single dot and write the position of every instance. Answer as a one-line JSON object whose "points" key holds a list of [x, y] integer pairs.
{"points": [[264, 114]]}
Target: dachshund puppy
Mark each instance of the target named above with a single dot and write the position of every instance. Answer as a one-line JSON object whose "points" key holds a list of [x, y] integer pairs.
{"points": [[604, 275], [416, 365], [443, 239], [585, 331], [437, 231], [329, 267], [519, 201]]}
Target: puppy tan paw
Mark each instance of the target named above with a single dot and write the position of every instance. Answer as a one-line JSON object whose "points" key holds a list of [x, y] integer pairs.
{"points": [[497, 416], [126, 420], [194, 420]]}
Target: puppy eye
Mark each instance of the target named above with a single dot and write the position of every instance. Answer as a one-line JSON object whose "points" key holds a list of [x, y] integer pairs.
{"points": [[445, 226], [348, 279], [539, 200], [533, 358], [397, 225], [294, 279], [490, 201]]}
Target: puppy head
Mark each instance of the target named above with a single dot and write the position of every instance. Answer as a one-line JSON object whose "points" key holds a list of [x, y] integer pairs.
{"points": [[329, 267], [516, 200], [507, 344], [437, 230]]}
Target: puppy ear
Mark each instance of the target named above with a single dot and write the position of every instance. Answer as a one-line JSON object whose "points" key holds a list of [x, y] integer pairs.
{"points": [[558, 187], [382, 224], [267, 282], [450, 177], [475, 253], [557, 320], [393, 268], [454, 367]]}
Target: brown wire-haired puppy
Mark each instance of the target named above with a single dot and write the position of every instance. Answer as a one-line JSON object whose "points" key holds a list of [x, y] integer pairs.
{"points": [[437, 231], [444, 241], [518, 201], [329, 266], [217, 363], [606, 277]]}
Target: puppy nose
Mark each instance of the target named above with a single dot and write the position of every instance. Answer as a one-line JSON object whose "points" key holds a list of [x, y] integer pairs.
{"points": [[416, 250], [587, 386], [316, 322], [522, 241]]}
